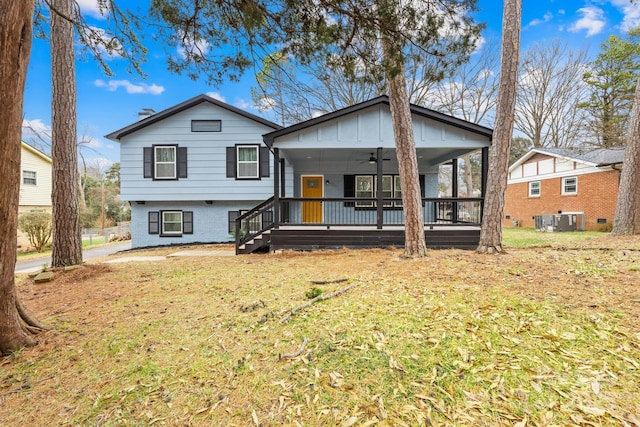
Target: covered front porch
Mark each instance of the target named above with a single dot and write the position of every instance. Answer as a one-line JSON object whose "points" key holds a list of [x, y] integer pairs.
{"points": [[333, 223], [337, 182]]}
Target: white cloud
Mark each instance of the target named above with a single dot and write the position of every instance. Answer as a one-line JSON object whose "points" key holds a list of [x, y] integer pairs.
{"points": [[36, 126], [592, 21], [91, 8], [266, 104], [630, 12], [242, 104], [142, 88], [216, 95], [98, 163], [90, 142], [190, 48], [539, 21], [480, 42], [109, 46]]}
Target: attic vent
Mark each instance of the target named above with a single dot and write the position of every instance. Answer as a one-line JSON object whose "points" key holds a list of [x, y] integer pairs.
{"points": [[146, 112], [206, 125]]}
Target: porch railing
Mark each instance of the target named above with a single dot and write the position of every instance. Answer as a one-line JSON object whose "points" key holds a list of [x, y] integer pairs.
{"points": [[253, 223], [365, 212]]}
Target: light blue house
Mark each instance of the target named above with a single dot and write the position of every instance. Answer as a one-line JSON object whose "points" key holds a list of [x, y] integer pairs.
{"points": [[190, 170], [201, 170]]}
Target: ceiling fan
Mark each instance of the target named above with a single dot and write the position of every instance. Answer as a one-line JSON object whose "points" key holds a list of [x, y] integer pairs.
{"points": [[372, 159]]}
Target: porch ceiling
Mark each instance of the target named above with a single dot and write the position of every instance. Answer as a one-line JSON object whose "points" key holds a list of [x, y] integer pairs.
{"points": [[354, 158]]}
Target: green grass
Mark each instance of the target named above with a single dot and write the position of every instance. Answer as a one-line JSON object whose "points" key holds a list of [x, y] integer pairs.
{"points": [[528, 237]]}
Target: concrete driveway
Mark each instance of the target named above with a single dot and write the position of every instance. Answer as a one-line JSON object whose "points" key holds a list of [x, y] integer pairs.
{"points": [[100, 251]]}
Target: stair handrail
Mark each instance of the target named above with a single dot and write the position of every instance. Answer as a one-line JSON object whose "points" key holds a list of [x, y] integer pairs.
{"points": [[242, 238]]}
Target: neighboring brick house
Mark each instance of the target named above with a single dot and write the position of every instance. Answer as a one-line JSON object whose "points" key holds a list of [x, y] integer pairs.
{"points": [[555, 180]]}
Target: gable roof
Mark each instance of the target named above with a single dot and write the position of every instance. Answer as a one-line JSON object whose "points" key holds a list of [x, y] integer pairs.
{"points": [[118, 134], [384, 100], [36, 152], [598, 157]]}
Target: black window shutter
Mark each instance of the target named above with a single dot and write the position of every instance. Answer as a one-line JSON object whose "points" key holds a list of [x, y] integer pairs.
{"points": [[148, 162], [231, 162], [264, 162], [422, 185], [349, 189], [182, 162], [187, 222], [232, 220], [154, 222]]}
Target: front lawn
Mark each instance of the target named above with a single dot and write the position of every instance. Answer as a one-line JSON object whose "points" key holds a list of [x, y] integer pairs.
{"points": [[535, 337]]}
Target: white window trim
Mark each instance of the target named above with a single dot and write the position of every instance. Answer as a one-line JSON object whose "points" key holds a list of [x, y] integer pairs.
{"points": [[162, 223], [34, 177], [397, 194], [156, 162], [564, 185], [395, 179], [256, 162], [539, 189]]}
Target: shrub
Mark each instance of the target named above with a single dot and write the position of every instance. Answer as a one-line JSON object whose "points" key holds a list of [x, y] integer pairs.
{"points": [[37, 226]]}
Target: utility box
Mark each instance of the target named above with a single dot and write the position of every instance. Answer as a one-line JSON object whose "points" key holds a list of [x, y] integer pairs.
{"points": [[565, 221]]}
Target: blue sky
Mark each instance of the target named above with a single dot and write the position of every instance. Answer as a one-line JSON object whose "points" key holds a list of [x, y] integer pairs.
{"points": [[107, 104]]}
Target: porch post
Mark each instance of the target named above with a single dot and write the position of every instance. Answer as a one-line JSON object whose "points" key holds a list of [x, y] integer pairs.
{"points": [[276, 188], [379, 205], [485, 171], [283, 186], [454, 189], [483, 180]]}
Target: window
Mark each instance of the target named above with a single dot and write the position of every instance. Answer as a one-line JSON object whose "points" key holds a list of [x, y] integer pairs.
{"points": [[364, 189], [165, 162], [247, 162], [387, 190], [206, 125], [29, 178], [171, 222], [570, 185], [397, 194], [534, 189]]}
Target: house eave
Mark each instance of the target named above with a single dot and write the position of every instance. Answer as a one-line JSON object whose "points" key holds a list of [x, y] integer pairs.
{"points": [[36, 152]]}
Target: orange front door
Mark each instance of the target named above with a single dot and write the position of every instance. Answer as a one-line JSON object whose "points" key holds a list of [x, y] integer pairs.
{"points": [[312, 188]]}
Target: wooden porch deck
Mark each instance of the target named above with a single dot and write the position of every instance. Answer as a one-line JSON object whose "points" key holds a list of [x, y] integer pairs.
{"points": [[301, 237]]}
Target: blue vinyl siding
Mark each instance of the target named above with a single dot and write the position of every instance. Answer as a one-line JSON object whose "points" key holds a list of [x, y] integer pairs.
{"points": [[206, 154], [210, 222]]}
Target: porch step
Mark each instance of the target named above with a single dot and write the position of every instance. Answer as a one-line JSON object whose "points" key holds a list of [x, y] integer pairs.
{"points": [[258, 243]]}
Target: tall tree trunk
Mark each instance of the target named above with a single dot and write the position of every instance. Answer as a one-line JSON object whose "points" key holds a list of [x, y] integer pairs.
{"points": [[15, 48], [67, 242], [491, 232], [414, 240], [627, 216]]}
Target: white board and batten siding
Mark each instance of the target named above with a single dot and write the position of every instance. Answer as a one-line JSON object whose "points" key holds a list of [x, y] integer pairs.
{"points": [[206, 158], [373, 127], [36, 195]]}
